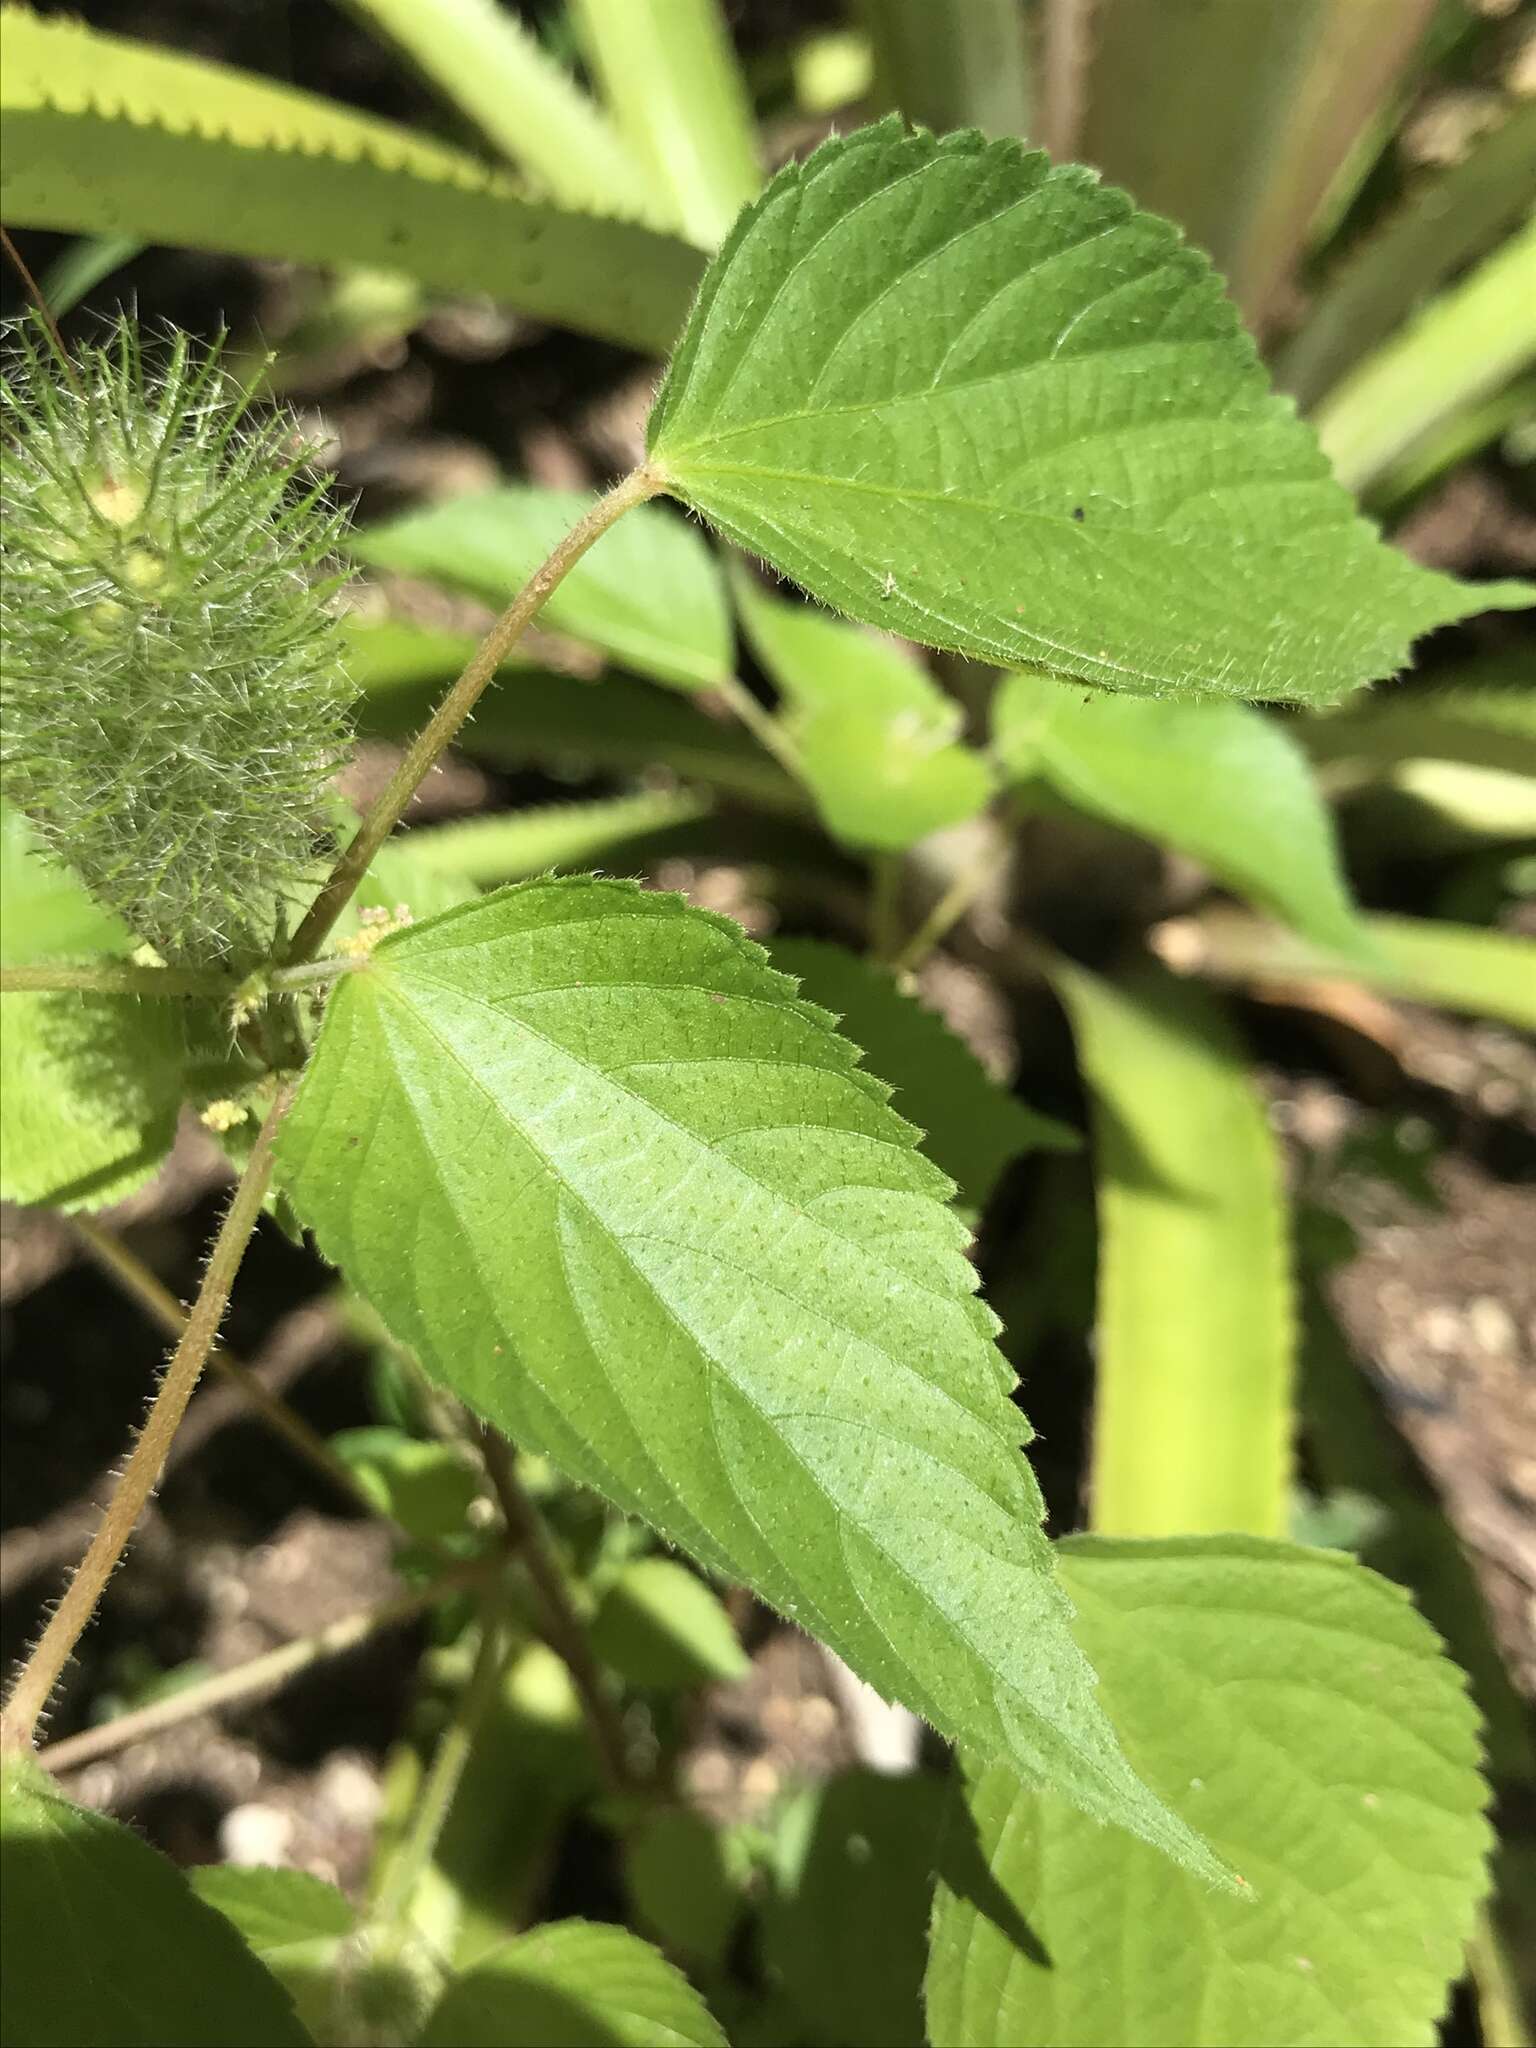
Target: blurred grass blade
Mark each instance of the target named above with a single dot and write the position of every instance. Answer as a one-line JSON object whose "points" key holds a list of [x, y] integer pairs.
{"points": [[506, 846], [669, 74], [1462, 348], [1449, 219], [77, 270], [1482, 712], [952, 63], [492, 69], [1466, 968], [104, 135], [1265, 98], [1193, 1402]]}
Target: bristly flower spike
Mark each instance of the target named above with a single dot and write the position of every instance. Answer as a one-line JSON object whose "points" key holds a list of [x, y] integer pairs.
{"points": [[175, 696]]}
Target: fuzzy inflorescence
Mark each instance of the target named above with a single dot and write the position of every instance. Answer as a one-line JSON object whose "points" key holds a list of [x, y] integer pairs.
{"points": [[175, 698]]}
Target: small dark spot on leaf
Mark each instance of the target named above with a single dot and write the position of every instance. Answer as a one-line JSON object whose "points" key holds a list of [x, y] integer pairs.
{"points": [[1077, 512]]}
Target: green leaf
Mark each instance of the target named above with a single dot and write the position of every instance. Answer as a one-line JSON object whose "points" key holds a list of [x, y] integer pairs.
{"points": [[104, 135], [1195, 1334], [666, 1234], [668, 71], [660, 1625], [1297, 1709], [508, 846], [988, 404], [492, 67], [105, 1942], [1482, 713], [972, 1127], [1456, 966], [1219, 782], [649, 593], [847, 1938], [573, 1985], [952, 63], [877, 740], [685, 1879], [274, 1909], [426, 1487], [90, 1085]]}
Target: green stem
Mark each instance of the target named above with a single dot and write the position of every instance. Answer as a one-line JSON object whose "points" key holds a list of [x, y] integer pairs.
{"points": [[40, 1674], [111, 978], [560, 1624], [258, 1676], [447, 1770], [948, 911], [162, 1307], [885, 877], [442, 727], [765, 728]]}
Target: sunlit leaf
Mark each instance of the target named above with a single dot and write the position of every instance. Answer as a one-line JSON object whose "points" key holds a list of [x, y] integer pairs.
{"points": [[988, 404]]}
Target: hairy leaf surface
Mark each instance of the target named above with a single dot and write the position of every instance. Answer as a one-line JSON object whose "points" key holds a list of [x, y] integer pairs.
{"points": [[105, 1941], [588, 1157], [108, 135], [1219, 782], [972, 1127], [649, 593], [1295, 1707], [568, 1985], [878, 740], [989, 404]]}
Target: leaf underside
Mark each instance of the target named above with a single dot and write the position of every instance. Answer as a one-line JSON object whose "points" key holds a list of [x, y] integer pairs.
{"points": [[991, 405], [1294, 1707], [590, 1159]]}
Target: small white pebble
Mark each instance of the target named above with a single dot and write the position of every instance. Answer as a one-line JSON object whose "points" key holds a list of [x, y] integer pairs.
{"points": [[254, 1834]]}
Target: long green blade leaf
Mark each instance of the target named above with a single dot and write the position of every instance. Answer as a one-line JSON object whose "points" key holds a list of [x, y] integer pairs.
{"points": [[952, 63], [1293, 1704], [664, 1231], [990, 405], [1195, 1339], [668, 71], [108, 136], [491, 67]]}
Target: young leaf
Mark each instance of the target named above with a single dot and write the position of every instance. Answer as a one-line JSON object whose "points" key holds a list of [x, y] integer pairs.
{"points": [[649, 593], [105, 1942], [425, 1487], [104, 134], [1193, 1405], [666, 1233], [89, 1085], [570, 1984], [686, 1880], [1219, 782], [1296, 1708], [877, 740], [987, 403], [972, 1127], [660, 1625]]}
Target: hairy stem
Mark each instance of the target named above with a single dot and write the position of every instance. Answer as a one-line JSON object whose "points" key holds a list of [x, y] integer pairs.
{"points": [[562, 1627], [447, 1769], [261, 1675], [442, 727], [162, 1307], [40, 1674], [111, 978]]}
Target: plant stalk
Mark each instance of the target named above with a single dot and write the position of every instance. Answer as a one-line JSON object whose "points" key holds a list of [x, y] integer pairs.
{"points": [[40, 1674], [442, 727], [562, 1628], [111, 979], [258, 1676]]}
